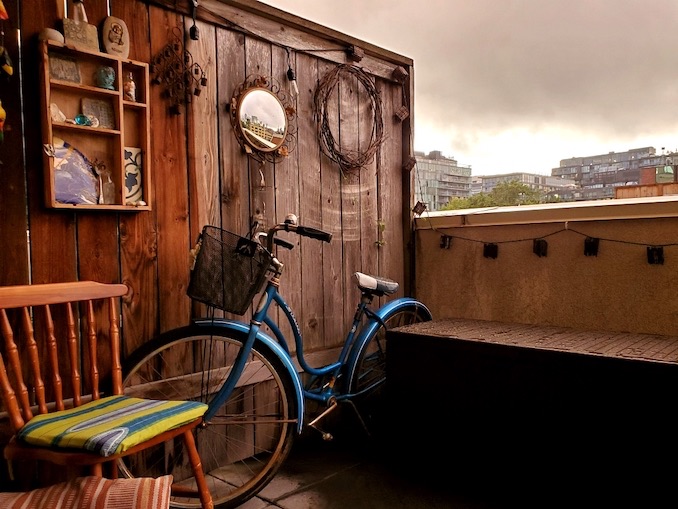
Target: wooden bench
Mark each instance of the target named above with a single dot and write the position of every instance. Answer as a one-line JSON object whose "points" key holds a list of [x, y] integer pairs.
{"points": [[528, 405]]}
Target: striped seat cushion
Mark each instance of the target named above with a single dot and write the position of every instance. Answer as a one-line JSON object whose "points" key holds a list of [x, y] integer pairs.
{"points": [[109, 425]]}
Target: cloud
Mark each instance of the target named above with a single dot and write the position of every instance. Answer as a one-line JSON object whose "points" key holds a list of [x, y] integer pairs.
{"points": [[490, 74]]}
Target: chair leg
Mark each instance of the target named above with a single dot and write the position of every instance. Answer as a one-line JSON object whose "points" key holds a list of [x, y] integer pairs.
{"points": [[196, 463], [114, 469], [10, 470], [97, 470]]}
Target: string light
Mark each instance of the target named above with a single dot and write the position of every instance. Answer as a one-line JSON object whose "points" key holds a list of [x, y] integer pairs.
{"points": [[291, 76], [293, 81], [655, 253]]}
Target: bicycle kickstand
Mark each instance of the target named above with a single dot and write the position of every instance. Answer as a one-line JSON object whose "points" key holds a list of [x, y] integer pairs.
{"points": [[326, 436], [360, 418]]}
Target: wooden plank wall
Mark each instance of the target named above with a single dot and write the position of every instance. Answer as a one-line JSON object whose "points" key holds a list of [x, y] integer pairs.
{"points": [[201, 175]]}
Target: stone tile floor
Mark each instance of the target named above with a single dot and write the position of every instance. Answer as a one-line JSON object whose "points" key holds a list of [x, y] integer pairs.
{"points": [[371, 474], [357, 475]]}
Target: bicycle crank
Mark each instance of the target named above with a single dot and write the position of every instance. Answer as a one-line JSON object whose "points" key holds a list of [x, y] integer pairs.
{"points": [[313, 424]]}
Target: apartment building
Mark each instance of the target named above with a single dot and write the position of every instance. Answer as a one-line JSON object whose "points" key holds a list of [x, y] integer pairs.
{"points": [[438, 179], [597, 176]]}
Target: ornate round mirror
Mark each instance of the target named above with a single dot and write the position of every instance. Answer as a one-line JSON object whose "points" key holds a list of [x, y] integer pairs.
{"points": [[263, 119]]}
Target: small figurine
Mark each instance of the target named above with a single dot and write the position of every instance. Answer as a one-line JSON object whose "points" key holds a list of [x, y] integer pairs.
{"points": [[129, 88], [105, 77]]}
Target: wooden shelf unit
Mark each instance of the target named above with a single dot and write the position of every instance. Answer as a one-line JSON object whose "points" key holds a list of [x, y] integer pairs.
{"points": [[68, 79]]}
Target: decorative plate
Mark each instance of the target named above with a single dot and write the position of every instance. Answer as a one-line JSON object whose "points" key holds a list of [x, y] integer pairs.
{"points": [[74, 178], [133, 189]]}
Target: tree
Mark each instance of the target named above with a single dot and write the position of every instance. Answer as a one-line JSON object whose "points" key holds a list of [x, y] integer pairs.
{"points": [[503, 194], [514, 193]]}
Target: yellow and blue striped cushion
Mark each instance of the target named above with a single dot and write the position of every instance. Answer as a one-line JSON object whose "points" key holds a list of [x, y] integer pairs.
{"points": [[109, 425]]}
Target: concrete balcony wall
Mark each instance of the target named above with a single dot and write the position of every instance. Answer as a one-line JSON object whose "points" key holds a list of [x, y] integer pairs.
{"points": [[617, 290]]}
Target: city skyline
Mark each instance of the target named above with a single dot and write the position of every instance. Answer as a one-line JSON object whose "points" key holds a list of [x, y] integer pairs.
{"points": [[548, 172]]}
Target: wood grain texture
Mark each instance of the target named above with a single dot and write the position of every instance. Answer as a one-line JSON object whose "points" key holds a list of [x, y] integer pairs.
{"points": [[203, 152], [370, 174], [313, 314], [332, 291], [52, 233], [390, 186], [232, 161], [287, 195], [292, 31], [201, 175], [169, 158], [138, 232], [96, 233], [13, 202], [347, 136]]}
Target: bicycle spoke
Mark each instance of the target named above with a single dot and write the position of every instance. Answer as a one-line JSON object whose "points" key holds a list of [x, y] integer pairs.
{"points": [[243, 444]]}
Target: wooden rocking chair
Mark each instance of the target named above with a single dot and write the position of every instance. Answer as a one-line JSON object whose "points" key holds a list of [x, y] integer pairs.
{"points": [[53, 419]]}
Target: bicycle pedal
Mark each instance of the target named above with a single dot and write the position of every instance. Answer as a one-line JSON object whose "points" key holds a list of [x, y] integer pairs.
{"points": [[327, 437]]}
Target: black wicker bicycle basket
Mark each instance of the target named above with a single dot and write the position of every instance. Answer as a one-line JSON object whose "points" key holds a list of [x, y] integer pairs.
{"points": [[229, 270]]}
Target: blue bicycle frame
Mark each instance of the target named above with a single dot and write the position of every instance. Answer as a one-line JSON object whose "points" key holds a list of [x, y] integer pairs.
{"points": [[348, 357], [280, 347]]}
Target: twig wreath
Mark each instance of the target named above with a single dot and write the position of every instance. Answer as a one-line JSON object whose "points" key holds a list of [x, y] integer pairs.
{"points": [[347, 159]]}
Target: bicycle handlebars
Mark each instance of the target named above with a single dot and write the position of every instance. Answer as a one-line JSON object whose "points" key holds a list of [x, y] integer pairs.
{"points": [[314, 233], [290, 225]]}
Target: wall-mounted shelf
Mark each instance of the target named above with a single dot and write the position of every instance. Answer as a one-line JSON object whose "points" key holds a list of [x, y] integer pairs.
{"points": [[79, 158]]}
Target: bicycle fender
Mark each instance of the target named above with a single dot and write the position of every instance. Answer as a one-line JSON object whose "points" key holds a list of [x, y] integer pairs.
{"points": [[403, 302], [391, 307], [272, 345], [370, 327]]}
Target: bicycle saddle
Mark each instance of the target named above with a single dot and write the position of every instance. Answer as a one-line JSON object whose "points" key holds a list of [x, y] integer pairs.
{"points": [[375, 284]]}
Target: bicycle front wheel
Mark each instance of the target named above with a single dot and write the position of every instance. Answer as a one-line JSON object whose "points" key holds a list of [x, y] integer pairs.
{"points": [[250, 435]]}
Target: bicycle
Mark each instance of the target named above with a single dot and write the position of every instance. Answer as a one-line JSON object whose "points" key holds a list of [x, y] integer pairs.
{"points": [[247, 377]]}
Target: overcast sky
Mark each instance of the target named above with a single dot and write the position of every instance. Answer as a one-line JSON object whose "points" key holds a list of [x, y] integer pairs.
{"points": [[518, 85]]}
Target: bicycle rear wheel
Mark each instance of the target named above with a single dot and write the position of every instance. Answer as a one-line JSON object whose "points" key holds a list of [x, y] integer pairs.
{"points": [[368, 369], [251, 434]]}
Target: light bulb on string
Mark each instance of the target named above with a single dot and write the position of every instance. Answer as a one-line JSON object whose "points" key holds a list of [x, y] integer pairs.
{"points": [[292, 78]]}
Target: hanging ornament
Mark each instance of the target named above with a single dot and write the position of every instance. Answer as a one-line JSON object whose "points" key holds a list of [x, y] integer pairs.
{"points": [[6, 68], [3, 116], [181, 77]]}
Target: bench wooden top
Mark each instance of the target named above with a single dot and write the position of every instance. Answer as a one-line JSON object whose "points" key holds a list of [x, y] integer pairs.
{"points": [[623, 345]]}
